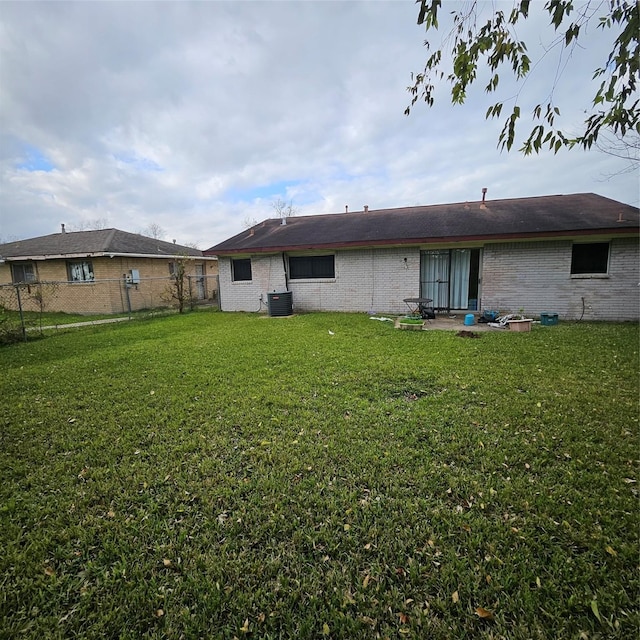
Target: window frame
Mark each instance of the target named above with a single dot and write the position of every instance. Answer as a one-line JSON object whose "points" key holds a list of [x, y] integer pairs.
{"points": [[316, 268], [84, 280], [242, 263], [23, 265], [585, 266]]}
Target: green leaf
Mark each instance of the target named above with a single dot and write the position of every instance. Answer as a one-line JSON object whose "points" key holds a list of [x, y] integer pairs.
{"points": [[594, 608]]}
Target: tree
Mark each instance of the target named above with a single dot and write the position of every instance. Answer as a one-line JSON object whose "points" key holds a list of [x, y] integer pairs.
{"points": [[284, 209], [624, 147], [154, 230], [90, 225], [178, 290], [495, 44]]}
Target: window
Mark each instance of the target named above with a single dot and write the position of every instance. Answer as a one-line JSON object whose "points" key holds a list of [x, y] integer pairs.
{"points": [[241, 269], [23, 272], [589, 258], [301, 267], [80, 271]]}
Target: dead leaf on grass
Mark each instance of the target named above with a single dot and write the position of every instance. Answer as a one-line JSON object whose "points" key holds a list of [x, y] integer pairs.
{"points": [[483, 613], [49, 571], [455, 597]]}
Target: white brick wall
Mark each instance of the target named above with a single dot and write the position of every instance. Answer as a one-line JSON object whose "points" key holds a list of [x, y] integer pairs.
{"points": [[536, 276], [366, 280]]}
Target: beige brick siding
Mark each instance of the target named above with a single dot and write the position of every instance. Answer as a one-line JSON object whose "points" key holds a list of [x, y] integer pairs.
{"points": [[535, 276], [107, 293]]}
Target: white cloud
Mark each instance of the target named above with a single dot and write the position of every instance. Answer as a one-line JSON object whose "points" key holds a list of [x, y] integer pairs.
{"points": [[169, 112]]}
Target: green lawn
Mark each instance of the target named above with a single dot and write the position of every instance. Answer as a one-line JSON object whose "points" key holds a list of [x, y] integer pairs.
{"points": [[227, 475]]}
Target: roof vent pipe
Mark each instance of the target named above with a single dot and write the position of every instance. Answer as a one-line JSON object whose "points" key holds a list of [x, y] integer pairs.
{"points": [[346, 208], [283, 221], [366, 208], [484, 193], [62, 228]]}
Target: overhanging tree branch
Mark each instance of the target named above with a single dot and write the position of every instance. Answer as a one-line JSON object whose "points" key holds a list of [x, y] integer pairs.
{"points": [[495, 47]]}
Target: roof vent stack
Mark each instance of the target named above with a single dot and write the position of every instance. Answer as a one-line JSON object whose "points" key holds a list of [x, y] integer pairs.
{"points": [[283, 222], [366, 208], [484, 193], [62, 228], [346, 208]]}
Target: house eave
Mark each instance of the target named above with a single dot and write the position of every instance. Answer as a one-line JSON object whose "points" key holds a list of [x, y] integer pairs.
{"points": [[403, 242], [104, 254]]}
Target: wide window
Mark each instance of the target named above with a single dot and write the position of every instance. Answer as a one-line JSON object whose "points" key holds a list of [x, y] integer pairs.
{"points": [[23, 272], [301, 267], [241, 269], [80, 271], [589, 258]]}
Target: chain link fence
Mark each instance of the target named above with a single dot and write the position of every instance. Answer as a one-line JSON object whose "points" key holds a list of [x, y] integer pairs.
{"points": [[23, 306]]}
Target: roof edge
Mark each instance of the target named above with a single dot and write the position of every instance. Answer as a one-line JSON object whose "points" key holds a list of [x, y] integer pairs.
{"points": [[510, 237]]}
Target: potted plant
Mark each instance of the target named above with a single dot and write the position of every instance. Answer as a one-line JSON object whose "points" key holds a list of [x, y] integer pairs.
{"points": [[411, 323]]}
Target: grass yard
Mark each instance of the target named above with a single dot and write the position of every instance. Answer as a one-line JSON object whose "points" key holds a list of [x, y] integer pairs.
{"points": [[233, 476]]}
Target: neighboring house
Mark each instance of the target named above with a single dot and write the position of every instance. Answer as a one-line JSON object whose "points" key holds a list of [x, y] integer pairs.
{"points": [[575, 255], [103, 271]]}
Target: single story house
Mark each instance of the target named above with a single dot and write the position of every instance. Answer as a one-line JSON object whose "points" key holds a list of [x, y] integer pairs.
{"points": [[101, 271], [574, 255]]}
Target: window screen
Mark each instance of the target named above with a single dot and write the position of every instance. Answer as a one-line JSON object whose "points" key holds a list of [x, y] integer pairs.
{"points": [[591, 257], [311, 267], [241, 269]]}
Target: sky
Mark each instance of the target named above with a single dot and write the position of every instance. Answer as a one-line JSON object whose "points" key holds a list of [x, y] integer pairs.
{"points": [[196, 117]]}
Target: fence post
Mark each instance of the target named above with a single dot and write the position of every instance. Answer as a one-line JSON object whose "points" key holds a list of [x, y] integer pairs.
{"points": [[24, 330], [126, 290]]}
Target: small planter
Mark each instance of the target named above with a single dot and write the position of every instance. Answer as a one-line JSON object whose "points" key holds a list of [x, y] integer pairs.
{"points": [[411, 327], [520, 325], [411, 324]]}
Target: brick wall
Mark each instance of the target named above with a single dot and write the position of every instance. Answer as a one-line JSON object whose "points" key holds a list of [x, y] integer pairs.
{"points": [[535, 276], [106, 294], [365, 280]]}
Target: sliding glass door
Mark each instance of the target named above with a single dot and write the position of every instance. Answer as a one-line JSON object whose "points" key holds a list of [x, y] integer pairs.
{"points": [[450, 278]]}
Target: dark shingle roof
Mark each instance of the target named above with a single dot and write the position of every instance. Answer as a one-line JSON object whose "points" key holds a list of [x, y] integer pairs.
{"points": [[102, 241], [517, 218]]}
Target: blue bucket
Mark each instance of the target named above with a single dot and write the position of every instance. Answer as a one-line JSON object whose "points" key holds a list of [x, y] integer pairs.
{"points": [[469, 320]]}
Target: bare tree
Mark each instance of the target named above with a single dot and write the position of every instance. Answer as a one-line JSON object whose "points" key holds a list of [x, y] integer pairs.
{"points": [[90, 225], [249, 222], [625, 147], [154, 230], [284, 209], [178, 290]]}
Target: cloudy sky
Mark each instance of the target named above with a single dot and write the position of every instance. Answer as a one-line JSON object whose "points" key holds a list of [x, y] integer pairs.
{"points": [[197, 116]]}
